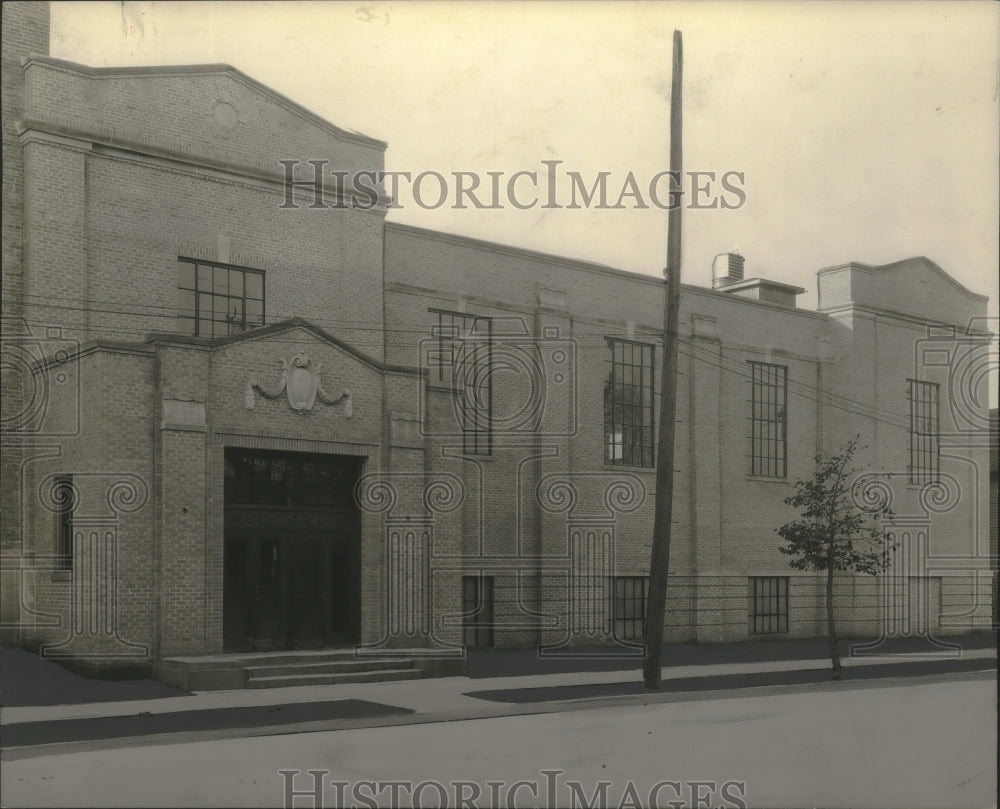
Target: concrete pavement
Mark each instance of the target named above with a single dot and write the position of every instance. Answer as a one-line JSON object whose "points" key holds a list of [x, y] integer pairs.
{"points": [[33, 730], [900, 741], [484, 663]]}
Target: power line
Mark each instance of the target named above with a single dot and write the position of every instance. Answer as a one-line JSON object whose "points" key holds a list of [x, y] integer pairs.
{"points": [[867, 412], [688, 345]]}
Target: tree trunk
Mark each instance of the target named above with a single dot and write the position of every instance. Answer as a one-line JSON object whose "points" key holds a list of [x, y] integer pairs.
{"points": [[831, 630]]}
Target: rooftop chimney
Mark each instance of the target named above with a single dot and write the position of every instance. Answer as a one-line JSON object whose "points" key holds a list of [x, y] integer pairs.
{"points": [[727, 268]]}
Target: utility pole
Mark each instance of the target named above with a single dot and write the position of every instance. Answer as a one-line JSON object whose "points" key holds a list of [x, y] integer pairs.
{"points": [[659, 562]]}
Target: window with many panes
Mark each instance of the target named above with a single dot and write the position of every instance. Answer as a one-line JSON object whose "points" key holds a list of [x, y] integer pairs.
{"points": [[627, 596], [218, 299], [768, 420], [628, 404], [768, 604], [461, 361], [477, 611], [65, 496], [924, 450]]}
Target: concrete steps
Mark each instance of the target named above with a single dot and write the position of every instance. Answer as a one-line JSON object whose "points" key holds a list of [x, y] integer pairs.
{"points": [[280, 669], [379, 676], [330, 667]]}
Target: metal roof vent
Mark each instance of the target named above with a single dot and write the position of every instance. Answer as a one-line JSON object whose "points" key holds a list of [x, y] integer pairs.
{"points": [[727, 268]]}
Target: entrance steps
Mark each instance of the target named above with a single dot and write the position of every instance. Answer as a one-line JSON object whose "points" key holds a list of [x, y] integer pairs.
{"points": [[281, 669]]}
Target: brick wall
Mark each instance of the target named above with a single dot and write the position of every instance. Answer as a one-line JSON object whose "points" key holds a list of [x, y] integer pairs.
{"points": [[130, 169], [994, 507], [25, 30], [104, 607], [724, 517]]}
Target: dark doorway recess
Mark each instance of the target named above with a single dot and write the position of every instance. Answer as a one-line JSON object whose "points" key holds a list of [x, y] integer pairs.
{"points": [[292, 551]]}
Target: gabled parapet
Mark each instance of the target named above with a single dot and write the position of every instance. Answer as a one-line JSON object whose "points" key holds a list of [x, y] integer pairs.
{"points": [[914, 287], [214, 112]]}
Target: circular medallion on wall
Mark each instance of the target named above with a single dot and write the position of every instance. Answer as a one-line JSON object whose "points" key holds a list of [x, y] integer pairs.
{"points": [[226, 117]]}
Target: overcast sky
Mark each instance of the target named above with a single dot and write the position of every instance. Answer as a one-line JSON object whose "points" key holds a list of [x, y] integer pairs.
{"points": [[864, 131]]}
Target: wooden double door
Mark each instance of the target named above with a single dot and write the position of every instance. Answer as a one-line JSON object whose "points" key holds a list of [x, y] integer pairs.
{"points": [[291, 559], [289, 591]]}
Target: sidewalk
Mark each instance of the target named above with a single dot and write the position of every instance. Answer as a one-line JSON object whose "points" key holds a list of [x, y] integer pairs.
{"points": [[221, 714], [520, 662]]}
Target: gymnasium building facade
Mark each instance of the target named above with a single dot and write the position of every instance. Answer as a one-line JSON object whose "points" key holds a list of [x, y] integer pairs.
{"points": [[234, 426]]}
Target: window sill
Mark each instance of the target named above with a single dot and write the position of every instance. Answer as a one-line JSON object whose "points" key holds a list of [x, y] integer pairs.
{"points": [[472, 456], [443, 387], [184, 428], [610, 467], [766, 479]]}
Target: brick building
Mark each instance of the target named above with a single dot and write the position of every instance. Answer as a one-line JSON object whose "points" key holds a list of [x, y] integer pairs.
{"points": [[235, 422], [994, 506]]}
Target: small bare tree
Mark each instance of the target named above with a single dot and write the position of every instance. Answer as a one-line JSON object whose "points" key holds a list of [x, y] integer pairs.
{"points": [[833, 532]]}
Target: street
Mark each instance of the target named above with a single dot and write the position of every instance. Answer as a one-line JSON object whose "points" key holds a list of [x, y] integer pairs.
{"points": [[924, 743]]}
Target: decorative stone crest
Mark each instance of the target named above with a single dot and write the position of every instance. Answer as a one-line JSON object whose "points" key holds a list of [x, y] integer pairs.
{"points": [[300, 381]]}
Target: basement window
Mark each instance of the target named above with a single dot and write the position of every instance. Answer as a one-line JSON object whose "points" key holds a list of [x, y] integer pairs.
{"points": [[768, 605], [628, 607], [477, 611]]}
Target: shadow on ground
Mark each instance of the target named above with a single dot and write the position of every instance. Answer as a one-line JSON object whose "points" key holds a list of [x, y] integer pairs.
{"points": [[524, 662], [27, 734], [721, 682], [27, 679]]}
